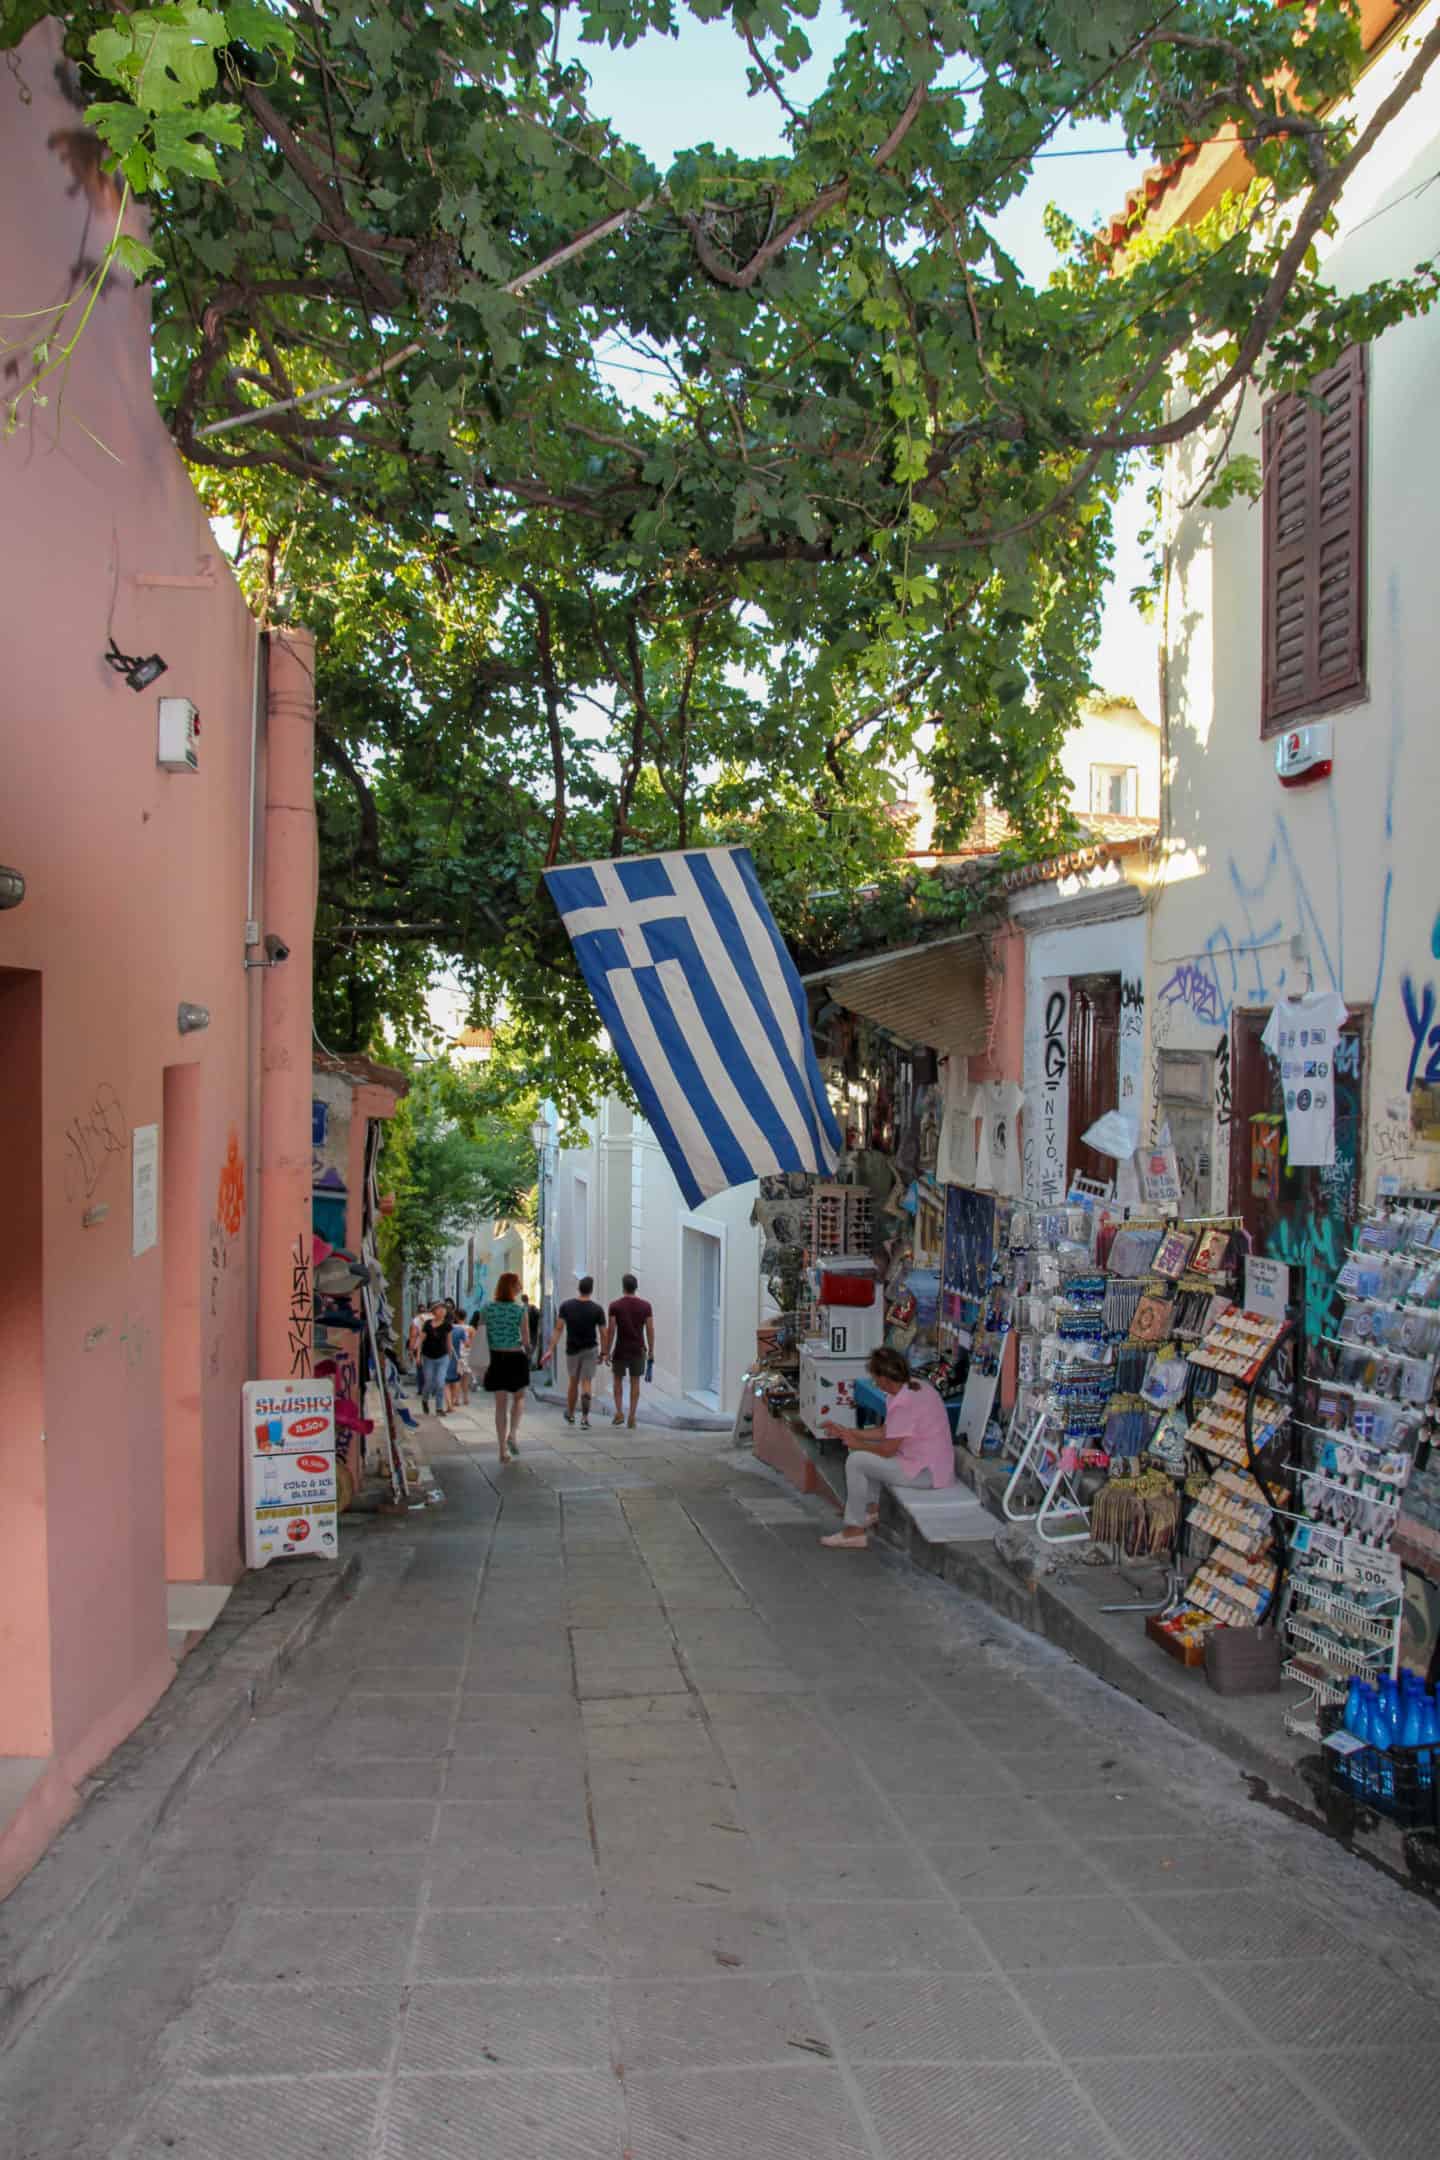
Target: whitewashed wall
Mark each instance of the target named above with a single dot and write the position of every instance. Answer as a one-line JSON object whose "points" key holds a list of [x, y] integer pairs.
{"points": [[637, 1218], [1348, 864]]}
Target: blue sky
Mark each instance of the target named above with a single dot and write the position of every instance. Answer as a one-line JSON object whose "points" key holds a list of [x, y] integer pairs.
{"points": [[666, 94]]}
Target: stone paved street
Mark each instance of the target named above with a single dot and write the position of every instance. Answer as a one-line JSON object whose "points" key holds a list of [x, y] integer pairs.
{"points": [[615, 1818]]}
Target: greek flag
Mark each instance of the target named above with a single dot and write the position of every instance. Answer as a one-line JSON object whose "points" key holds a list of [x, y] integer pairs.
{"points": [[706, 1012]]}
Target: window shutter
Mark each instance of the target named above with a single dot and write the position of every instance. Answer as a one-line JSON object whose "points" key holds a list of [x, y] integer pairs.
{"points": [[1314, 579]]}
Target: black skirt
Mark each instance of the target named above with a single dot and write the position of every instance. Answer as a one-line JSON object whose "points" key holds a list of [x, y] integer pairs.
{"points": [[508, 1373]]}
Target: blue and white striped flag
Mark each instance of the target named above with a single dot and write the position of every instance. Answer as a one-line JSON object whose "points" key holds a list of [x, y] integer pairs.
{"points": [[706, 1012]]}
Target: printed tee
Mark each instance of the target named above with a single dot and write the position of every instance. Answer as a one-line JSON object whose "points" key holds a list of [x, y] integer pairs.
{"points": [[955, 1158], [1301, 1035], [997, 1157]]}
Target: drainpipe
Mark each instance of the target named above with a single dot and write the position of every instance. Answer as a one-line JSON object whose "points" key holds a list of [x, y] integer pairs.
{"points": [[291, 870]]}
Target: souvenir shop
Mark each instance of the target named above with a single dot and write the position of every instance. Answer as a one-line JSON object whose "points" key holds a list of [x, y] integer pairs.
{"points": [[889, 1250], [1171, 1409], [1140, 1388], [343, 1295]]}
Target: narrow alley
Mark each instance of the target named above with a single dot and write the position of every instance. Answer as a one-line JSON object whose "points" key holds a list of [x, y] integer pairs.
{"points": [[643, 1827]]}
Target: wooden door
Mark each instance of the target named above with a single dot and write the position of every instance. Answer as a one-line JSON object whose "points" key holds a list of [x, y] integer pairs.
{"points": [[1094, 1065], [1304, 1217]]}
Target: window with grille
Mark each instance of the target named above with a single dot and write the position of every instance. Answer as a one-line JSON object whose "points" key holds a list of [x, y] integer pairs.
{"points": [[1314, 614]]}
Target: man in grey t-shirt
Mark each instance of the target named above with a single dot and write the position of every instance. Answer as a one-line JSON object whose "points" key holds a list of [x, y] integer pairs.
{"points": [[580, 1319]]}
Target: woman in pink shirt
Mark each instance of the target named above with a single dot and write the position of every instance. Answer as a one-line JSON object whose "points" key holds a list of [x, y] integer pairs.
{"points": [[915, 1448]]}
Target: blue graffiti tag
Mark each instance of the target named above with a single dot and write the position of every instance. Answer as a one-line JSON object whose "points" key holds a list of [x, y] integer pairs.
{"points": [[1420, 1015], [1194, 987]]}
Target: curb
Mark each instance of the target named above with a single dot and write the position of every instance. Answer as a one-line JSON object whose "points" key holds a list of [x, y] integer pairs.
{"points": [[1245, 1728], [78, 1888]]}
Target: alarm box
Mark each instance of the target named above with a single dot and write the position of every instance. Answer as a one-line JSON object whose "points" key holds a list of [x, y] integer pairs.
{"points": [[1305, 753]]}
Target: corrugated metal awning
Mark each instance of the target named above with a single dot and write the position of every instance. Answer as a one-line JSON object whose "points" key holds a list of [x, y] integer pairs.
{"points": [[932, 994]]}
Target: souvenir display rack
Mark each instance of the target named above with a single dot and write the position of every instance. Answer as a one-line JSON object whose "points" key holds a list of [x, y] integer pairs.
{"points": [[841, 1221], [1369, 1391], [1066, 1366], [1239, 1399]]}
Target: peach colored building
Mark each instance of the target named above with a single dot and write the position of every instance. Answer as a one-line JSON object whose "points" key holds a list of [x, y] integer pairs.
{"points": [[157, 1161]]}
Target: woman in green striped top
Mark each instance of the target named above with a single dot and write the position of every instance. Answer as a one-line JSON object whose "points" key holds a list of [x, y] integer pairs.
{"points": [[505, 1331]]}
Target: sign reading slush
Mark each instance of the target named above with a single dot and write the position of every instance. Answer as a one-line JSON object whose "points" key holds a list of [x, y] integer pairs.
{"points": [[290, 1470]]}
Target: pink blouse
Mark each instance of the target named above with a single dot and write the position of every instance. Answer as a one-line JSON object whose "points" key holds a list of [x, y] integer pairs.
{"points": [[919, 1420]]}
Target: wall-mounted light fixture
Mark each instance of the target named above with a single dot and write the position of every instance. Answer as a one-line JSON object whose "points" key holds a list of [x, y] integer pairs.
{"points": [[12, 887], [190, 1019], [138, 672]]}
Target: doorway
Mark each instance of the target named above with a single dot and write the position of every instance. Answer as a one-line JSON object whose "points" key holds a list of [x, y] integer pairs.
{"points": [[702, 1276], [1303, 1217], [25, 1702], [581, 1222], [1094, 1067], [182, 1257]]}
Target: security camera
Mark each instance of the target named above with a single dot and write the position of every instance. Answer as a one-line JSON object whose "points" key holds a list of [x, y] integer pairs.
{"points": [[277, 952]]}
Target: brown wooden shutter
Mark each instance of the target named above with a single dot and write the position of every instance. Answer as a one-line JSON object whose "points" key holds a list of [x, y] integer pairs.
{"points": [[1314, 612]]}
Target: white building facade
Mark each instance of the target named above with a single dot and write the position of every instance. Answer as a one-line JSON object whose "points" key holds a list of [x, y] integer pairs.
{"points": [[1313, 610], [613, 1207]]}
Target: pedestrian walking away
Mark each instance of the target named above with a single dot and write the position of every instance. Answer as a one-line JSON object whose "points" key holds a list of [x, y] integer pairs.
{"points": [[629, 1344], [914, 1448], [504, 1325], [580, 1320], [434, 1357], [412, 1344]]}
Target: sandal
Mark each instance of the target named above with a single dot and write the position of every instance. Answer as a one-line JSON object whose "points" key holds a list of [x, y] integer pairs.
{"points": [[846, 1541], [617, 1419]]}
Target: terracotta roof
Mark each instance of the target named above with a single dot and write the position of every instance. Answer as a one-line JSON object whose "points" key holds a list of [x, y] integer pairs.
{"points": [[1377, 18], [991, 829]]}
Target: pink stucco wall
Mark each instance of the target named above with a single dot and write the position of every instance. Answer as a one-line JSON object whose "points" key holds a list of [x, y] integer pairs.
{"points": [[122, 1440]]}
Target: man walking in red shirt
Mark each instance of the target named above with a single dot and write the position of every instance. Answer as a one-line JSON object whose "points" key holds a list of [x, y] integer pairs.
{"points": [[630, 1346]]}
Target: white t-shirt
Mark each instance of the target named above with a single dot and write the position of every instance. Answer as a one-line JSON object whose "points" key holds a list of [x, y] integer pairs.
{"points": [[955, 1159], [1301, 1034], [997, 1158]]}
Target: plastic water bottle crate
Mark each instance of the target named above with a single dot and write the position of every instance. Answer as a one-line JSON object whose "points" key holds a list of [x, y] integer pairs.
{"points": [[1399, 1782]]}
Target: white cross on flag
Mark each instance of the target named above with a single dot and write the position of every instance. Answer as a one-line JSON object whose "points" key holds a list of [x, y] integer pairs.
{"points": [[706, 1012]]}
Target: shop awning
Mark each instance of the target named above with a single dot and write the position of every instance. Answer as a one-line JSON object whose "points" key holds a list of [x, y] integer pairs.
{"points": [[932, 994]]}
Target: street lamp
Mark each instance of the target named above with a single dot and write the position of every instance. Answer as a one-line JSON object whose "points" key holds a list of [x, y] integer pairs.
{"points": [[540, 1137]]}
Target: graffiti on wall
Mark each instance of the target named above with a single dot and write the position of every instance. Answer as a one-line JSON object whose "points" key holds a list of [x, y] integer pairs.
{"points": [[300, 1309], [1132, 1040], [230, 1200], [1054, 1093], [93, 1138], [1193, 987]]}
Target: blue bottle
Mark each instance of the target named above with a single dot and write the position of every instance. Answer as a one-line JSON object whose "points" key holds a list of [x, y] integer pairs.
{"points": [[1428, 1724], [1380, 1771], [1354, 1720]]}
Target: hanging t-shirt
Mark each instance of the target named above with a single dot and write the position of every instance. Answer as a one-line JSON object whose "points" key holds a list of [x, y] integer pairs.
{"points": [[1302, 1034], [955, 1158], [997, 1157]]}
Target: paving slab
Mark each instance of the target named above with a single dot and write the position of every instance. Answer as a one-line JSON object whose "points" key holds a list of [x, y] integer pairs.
{"points": [[626, 1823]]}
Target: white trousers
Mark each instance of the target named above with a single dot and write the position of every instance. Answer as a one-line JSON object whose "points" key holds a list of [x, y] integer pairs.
{"points": [[865, 1474]]}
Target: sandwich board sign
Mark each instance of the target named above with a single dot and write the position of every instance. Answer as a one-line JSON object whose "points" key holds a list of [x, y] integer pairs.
{"points": [[290, 1510]]}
